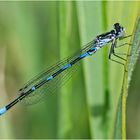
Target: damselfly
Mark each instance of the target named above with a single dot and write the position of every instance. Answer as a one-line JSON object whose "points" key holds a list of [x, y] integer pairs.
{"points": [[36, 87]]}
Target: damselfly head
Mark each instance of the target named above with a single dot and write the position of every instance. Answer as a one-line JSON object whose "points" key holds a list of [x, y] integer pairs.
{"points": [[120, 31]]}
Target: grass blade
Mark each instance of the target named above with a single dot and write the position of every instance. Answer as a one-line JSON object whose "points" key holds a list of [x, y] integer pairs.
{"points": [[132, 57]]}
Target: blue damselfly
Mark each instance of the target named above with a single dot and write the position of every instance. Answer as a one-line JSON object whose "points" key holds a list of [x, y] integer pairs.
{"points": [[36, 87]]}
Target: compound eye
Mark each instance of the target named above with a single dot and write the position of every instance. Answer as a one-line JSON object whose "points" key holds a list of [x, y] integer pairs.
{"points": [[117, 27]]}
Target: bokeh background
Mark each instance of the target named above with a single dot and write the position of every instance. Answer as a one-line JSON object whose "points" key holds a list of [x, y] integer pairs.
{"points": [[35, 35]]}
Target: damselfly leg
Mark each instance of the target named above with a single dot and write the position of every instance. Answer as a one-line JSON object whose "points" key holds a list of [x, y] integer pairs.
{"points": [[124, 44], [124, 54], [112, 52], [118, 55]]}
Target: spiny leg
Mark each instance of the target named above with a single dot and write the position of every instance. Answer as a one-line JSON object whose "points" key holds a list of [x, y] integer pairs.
{"points": [[118, 62], [125, 54], [125, 44], [136, 51], [126, 37], [112, 52], [118, 56]]}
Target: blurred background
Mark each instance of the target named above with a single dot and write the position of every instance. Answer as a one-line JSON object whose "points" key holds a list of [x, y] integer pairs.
{"points": [[36, 35]]}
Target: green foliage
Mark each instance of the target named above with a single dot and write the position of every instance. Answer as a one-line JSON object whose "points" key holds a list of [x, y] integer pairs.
{"points": [[35, 35]]}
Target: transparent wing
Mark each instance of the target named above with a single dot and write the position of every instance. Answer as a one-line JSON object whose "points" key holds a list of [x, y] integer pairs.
{"points": [[50, 87], [56, 82]]}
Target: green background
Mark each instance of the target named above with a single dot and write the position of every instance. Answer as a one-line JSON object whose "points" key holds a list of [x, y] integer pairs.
{"points": [[34, 36]]}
